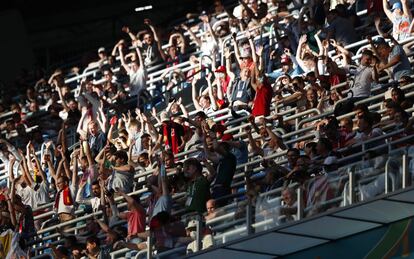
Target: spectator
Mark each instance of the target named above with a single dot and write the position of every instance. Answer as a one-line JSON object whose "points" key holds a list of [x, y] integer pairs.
{"points": [[341, 29], [135, 217], [400, 16], [365, 130], [198, 191], [365, 75], [137, 74], [160, 199], [123, 173], [96, 138], [393, 58], [171, 135], [94, 249], [211, 210], [206, 242], [289, 206]]}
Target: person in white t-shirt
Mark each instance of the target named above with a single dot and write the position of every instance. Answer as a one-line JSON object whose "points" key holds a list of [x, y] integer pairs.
{"points": [[65, 197], [136, 71], [95, 201]]}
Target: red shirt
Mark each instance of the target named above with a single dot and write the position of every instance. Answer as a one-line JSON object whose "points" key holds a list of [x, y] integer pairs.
{"points": [[136, 222], [262, 100]]}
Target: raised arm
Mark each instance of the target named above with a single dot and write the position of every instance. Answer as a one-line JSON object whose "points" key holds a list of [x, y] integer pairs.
{"points": [[10, 203], [140, 59], [39, 168], [11, 171], [88, 154], [195, 38], [236, 49], [406, 9], [213, 100], [255, 149], [302, 41], [64, 104], [75, 169], [194, 95], [181, 44], [122, 59], [387, 10], [131, 202], [156, 37], [26, 172]]}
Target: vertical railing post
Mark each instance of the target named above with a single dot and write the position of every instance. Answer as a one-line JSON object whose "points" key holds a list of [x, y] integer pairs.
{"points": [[299, 212], [351, 186], [198, 234], [405, 179], [249, 218], [386, 176], [149, 246]]}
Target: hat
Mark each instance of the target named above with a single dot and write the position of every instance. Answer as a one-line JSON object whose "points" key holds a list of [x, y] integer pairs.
{"points": [[285, 59], [101, 49], [221, 69], [227, 137], [164, 116], [191, 224], [396, 5], [283, 35], [379, 41]]}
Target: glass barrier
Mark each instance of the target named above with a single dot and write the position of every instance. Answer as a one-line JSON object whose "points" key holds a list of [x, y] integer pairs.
{"points": [[323, 192]]}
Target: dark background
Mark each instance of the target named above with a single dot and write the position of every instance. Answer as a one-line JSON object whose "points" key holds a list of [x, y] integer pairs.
{"points": [[46, 34]]}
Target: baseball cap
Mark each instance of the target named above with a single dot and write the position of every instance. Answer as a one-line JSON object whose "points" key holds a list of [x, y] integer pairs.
{"points": [[191, 224], [220, 69], [101, 49], [396, 5], [379, 41]]}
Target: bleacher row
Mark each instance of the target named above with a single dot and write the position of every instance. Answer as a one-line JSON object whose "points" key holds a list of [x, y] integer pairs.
{"points": [[231, 223]]}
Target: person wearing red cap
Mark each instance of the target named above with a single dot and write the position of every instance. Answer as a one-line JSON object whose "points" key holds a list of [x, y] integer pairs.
{"points": [[289, 66], [222, 79]]}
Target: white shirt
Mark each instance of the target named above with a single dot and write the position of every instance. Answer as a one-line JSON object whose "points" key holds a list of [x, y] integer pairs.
{"points": [[137, 81], [41, 195], [26, 194], [62, 208]]}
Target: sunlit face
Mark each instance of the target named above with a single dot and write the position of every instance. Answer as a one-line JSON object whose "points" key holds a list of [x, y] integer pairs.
{"points": [[148, 39], [310, 95], [287, 197], [211, 206], [93, 129], [334, 96], [96, 190], [204, 102], [366, 60], [245, 74], [285, 80], [61, 183], [134, 66], [72, 105]]}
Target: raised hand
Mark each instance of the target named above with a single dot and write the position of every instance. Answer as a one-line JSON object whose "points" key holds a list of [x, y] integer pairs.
{"points": [[227, 53], [260, 51], [178, 102], [147, 21], [125, 29]]}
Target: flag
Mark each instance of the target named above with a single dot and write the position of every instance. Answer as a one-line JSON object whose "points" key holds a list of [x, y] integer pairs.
{"points": [[9, 245]]}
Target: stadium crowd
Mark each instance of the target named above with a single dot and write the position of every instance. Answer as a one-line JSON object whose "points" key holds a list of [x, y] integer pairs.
{"points": [[79, 149]]}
